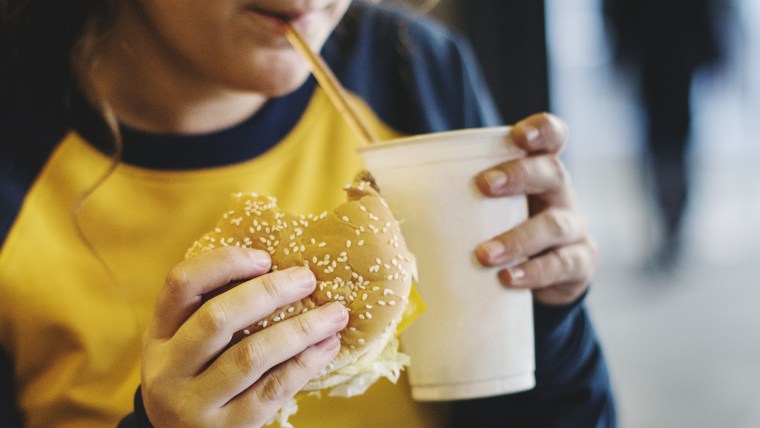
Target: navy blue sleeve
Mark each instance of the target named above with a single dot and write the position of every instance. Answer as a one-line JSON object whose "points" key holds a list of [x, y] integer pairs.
{"points": [[572, 383], [9, 415], [138, 419]]}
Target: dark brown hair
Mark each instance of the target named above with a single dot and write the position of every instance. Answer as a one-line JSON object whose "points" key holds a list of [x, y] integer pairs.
{"points": [[47, 48]]}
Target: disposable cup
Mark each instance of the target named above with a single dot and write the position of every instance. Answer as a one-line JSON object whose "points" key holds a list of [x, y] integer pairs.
{"points": [[476, 337]]}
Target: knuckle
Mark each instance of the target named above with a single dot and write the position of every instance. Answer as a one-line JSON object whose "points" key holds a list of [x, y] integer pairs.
{"points": [[521, 171], [558, 171], [590, 257], [271, 286], [302, 326], [304, 361], [249, 356], [274, 388], [517, 244], [213, 316], [560, 224], [177, 280], [566, 260]]}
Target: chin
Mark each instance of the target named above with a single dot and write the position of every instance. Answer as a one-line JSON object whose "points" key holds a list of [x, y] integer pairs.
{"points": [[277, 78], [285, 86]]}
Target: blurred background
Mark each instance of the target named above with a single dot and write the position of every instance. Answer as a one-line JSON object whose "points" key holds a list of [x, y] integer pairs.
{"points": [[676, 296]]}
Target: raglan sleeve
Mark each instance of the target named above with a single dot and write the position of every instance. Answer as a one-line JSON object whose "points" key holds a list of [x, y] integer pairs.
{"points": [[138, 418], [9, 414], [446, 80]]}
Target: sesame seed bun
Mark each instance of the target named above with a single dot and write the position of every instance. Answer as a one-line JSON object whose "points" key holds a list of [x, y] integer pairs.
{"points": [[359, 258]]}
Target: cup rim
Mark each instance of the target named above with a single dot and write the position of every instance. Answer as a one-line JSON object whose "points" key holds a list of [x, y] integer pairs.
{"points": [[485, 132]]}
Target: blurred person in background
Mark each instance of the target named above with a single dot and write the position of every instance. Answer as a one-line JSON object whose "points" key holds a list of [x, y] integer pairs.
{"points": [[666, 43]]}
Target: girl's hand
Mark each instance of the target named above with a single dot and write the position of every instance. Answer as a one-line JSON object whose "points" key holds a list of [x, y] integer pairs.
{"points": [[556, 257], [192, 378]]}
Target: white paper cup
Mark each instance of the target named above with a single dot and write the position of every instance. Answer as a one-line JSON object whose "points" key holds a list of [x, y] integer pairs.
{"points": [[476, 337]]}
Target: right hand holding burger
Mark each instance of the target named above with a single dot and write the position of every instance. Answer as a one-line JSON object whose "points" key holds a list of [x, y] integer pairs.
{"points": [[268, 304], [191, 378]]}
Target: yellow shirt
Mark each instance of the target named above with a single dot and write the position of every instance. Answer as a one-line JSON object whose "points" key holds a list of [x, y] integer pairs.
{"points": [[73, 309]]}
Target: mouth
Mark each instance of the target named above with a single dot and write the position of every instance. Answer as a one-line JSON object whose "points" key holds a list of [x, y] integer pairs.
{"points": [[280, 15]]}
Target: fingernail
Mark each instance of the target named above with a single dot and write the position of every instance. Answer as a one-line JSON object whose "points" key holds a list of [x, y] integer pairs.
{"points": [[336, 311], [302, 276], [495, 178], [516, 273], [330, 343], [261, 258], [531, 134], [494, 249]]}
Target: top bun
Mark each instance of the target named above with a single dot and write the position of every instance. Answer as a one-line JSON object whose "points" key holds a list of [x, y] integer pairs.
{"points": [[359, 258]]}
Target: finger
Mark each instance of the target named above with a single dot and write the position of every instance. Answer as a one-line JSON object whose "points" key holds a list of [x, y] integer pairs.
{"points": [[548, 229], [540, 133], [263, 399], [539, 175], [190, 279], [556, 277], [210, 328], [245, 362]]}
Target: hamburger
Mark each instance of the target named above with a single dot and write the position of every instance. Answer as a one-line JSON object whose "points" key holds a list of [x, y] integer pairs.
{"points": [[359, 258]]}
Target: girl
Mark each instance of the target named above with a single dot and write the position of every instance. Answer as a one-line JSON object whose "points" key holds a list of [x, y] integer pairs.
{"points": [[126, 125]]}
